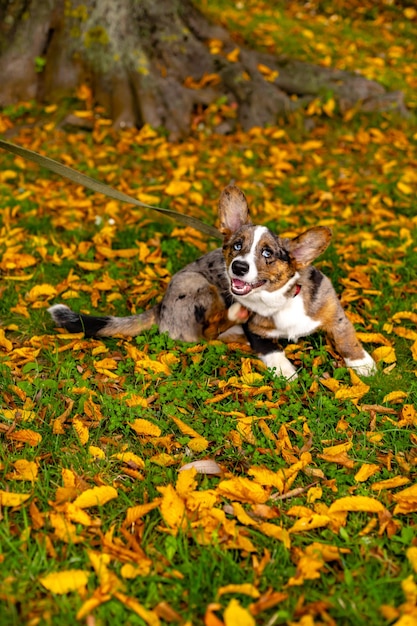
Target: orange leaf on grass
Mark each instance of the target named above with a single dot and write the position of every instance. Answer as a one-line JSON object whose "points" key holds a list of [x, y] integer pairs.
{"points": [[315, 520], [395, 396], [267, 477], [24, 470], [8, 498], [411, 555], [385, 354], [312, 561], [77, 515], [92, 603], [237, 615], [408, 315], [18, 415], [177, 187], [353, 392], [172, 508], [186, 483], [408, 416], [184, 428], [5, 343], [66, 581], [26, 436], [64, 529], [266, 601], [14, 260], [96, 452], [144, 427], [356, 503], [246, 589], [338, 454], [133, 570], [163, 459], [134, 513], [390, 483], [242, 489], [96, 496], [129, 458], [366, 471], [406, 333], [198, 444], [41, 291], [81, 430], [149, 617], [338, 448], [373, 338], [277, 532], [406, 500], [242, 516]]}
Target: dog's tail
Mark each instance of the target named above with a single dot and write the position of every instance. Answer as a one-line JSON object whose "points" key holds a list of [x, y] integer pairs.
{"points": [[108, 326]]}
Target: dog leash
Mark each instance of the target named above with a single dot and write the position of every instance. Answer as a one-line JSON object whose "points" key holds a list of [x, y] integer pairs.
{"points": [[96, 185]]}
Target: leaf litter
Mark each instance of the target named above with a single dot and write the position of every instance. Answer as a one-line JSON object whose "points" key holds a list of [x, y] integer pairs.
{"points": [[127, 461]]}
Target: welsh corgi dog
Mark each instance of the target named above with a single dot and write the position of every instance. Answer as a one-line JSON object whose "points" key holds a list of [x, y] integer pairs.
{"points": [[257, 280]]}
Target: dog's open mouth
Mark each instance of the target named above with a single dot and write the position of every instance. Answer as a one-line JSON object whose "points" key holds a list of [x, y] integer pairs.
{"points": [[240, 288]]}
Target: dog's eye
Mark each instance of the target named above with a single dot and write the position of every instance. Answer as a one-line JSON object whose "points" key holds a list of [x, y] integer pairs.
{"points": [[267, 253], [237, 246]]}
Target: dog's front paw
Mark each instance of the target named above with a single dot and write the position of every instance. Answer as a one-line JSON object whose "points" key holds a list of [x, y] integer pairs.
{"points": [[364, 367], [237, 313], [278, 363]]}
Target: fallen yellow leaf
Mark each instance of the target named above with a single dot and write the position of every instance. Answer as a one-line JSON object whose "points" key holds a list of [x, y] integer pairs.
{"points": [[134, 513], [96, 452], [236, 615], [356, 503], [395, 396], [41, 291], [366, 471], [81, 430], [338, 449], [198, 444], [8, 498], [245, 589], [412, 557], [172, 508], [18, 415], [149, 617], [277, 532], [177, 188], [4, 342], [143, 427], [96, 496], [390, 483], [66, 581], [242, 489], [309, 523], [129, 458], [24, 470], [385, 354]]}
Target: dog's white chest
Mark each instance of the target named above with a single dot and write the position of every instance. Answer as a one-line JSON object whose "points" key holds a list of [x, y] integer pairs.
{"points": [[292, 322]]}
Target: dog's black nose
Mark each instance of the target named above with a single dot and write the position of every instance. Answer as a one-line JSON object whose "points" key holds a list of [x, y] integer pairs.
{"points": [[240, 268]]}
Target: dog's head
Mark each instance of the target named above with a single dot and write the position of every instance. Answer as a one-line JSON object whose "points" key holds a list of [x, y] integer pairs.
{"points": [[257, 259]]}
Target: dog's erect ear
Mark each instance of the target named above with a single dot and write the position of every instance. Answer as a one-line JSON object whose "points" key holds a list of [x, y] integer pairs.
{"points": [[233, 210], [309, 245]]}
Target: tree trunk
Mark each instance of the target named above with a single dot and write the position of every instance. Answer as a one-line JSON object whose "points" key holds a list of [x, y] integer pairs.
{"points": [[155, 62]]}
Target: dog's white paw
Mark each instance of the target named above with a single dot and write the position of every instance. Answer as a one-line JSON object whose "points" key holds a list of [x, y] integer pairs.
{"points": [[278, 363], [364, 367], [237, 313]]}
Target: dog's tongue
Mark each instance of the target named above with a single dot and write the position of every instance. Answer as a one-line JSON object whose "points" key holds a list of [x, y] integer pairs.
{"points": [[240, 287]]}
